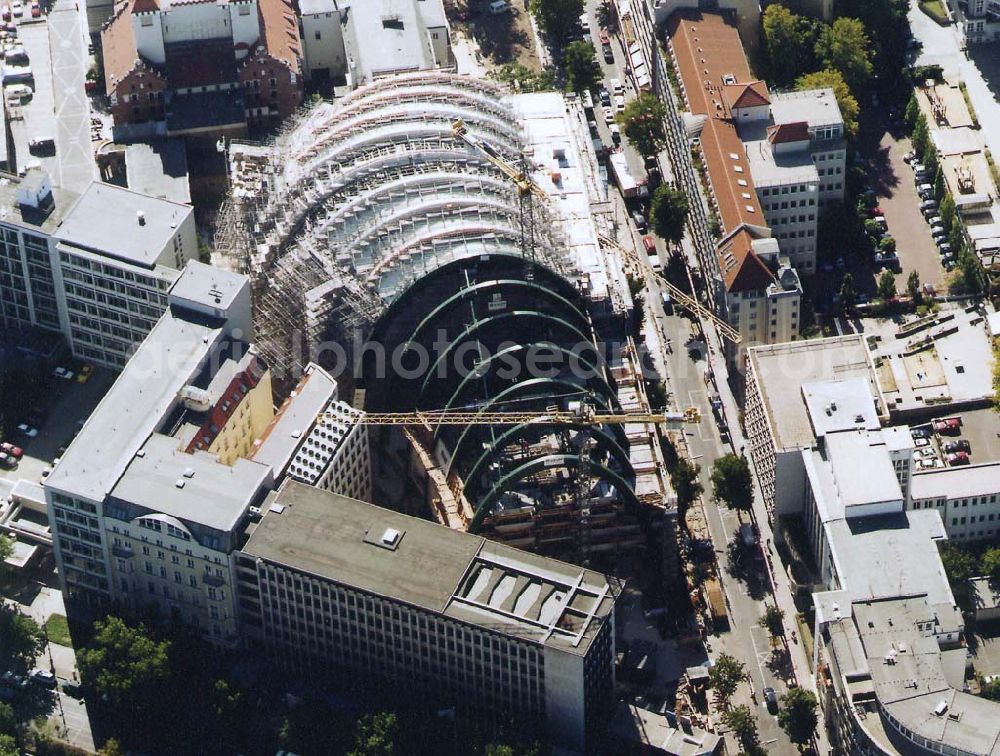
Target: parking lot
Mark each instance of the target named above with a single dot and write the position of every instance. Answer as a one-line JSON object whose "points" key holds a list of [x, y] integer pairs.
{"points": [[67, 403], [897, 196]]}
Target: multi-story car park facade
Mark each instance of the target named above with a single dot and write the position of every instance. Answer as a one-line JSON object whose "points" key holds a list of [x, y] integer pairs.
{"points": [[94, 267], [332, 586]]}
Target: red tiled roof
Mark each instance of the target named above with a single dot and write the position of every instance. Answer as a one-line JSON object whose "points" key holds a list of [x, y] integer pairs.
{"points": [[145, 6], [280, 32], [118, 46], [742, 269], [783, 133], [228, 403], [201, 63], [748, 95]]}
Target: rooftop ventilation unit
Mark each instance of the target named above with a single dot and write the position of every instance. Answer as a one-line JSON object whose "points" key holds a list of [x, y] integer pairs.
{"points": [[179, 483]]}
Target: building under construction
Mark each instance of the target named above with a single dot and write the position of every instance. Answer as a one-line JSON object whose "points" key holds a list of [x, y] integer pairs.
{"points": [[441, 237]]}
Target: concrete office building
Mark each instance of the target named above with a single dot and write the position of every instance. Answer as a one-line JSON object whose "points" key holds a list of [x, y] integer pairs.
{"points": [[979, 20], [967, 498], [361, 41], [95, 267], [333, 584], [147, 504]]}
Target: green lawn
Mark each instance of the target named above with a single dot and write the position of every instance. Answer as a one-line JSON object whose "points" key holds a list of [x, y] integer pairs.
{"points": [[57, 628], [935, 9]]}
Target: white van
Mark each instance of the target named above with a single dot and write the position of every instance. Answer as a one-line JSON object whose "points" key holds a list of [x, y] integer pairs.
{"points": [[499, 6]]}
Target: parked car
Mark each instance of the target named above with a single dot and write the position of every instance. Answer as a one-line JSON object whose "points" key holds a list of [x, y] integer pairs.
{"points": [[958, 458], [616, 133], [877, 212], [44, 143], [619, 103], [609, 54], [935, 220], [587, 99], [909, 157], [609, 115], [26, 430], [945, 250], [72, 688], [15, 451], [920, 431], [649, 244], [771, 699], [17, 9], [603, 37], [6, 13], [585, 23], [929, 205], [617, 87], [939, 234], [36, 12], [947, 425], [961, 445], [640, 221], [7, 462], [605, 96], [43, 677]]}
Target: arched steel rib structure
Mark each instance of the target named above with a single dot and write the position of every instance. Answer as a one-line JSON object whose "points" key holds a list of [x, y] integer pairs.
{"points": [[373, 213]]}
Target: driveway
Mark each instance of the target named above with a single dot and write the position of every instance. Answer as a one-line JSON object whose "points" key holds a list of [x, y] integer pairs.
{"points": [[897, 196]]}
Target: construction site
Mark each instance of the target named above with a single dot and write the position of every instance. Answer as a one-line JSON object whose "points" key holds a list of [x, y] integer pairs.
{"points": [[456, 244]]}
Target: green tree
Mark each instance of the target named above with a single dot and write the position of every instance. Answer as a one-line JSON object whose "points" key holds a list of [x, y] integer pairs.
{"points": [[669, 212], [947, 212], [558, 19], [989, 564], [789, 43], [797, 716], [959, 566], [582, 70], [741, 721], [642, 122], [111, 747], [912, 112], [498, 749], [686, 483], [913, 288], [887, 244], [968, 277], [844, 46], [939, 187], [520, 78], [8, 746], [846, 101], [886, 285], [732, 483], [919, 138], [773, 620], [376, 735], [8, 722], [848, 294], [725, 676], [122, 662], [990, 690], [21, 640]]}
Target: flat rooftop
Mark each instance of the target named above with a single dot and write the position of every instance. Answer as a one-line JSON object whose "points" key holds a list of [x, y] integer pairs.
{"points": [[194, 488], [817, 107], [782, 370], [134, 406], [385, 36], [159, 169], [862, 469], [840, 405], [956, 482], [770, 168], [433, 567], [891, 555], [45, 220], [207, 285], [105, 219]]}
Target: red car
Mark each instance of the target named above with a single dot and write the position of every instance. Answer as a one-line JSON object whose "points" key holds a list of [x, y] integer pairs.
{"points": [[36, 12], [958, 458], [15, 451], [947, 425], [877, 211], [649, 244], [605, 40]]}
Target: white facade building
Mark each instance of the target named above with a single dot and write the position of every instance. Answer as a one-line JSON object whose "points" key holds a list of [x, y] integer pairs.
{"points": [[94, 267], [465, 622]]}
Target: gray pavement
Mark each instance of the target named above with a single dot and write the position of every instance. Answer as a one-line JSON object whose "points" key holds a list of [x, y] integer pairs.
{"points": [[74, 150], [897, 196]]}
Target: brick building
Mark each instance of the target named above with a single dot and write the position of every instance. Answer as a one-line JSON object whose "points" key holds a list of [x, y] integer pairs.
{"points": [[196, 67]]}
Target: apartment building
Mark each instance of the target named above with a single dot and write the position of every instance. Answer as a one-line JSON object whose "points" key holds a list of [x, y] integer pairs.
{"points": [[95, 267], [967, 498], [361, 41], [757, 289], [331, 583], [979, 20], [198, 68], [810, 123]]}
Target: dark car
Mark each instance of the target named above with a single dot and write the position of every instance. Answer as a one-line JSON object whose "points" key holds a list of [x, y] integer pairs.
{"points": [[771, 699], [43, 677], [605, 96], [640, 221], [958, 446], [72, 688]]}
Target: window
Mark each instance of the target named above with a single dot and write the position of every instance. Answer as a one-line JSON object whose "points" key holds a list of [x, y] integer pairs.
{"points": [[318, 36]]}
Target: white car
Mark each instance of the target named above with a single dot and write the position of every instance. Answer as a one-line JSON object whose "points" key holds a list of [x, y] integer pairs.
{"points": [[585, 23], [61, 372], [616, 87], [17, 9], [619, 103], [27, 430], [609, 115]]}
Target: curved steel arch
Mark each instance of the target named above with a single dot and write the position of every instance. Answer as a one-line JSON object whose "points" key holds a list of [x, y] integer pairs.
{"points": [[605, 440], [473, 376], [483, 287], [486, 504], [602, 402], [494, 320]]}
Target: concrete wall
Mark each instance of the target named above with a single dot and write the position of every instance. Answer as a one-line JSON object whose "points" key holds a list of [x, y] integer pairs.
{"points": [[564, 699], [326, 52], [148, 32], [204, 21], [244, 21]]}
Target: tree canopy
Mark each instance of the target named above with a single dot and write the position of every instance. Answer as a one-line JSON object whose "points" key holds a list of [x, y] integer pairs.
{"points": [[959, 565], [989, 564], [789, 43], [376, 735], [886, 285], [21, 640], [797, 716], [520, 78], [846, 101], [741, 721], [773, 620], [669, 212], [582, 69], [684, 478], [725, 676], [642, 122], [732, 483], [844, 46], [123, 661], [558, 19]]}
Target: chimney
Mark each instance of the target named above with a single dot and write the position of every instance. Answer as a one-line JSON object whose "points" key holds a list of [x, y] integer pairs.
{"points": [[141, 217]]}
